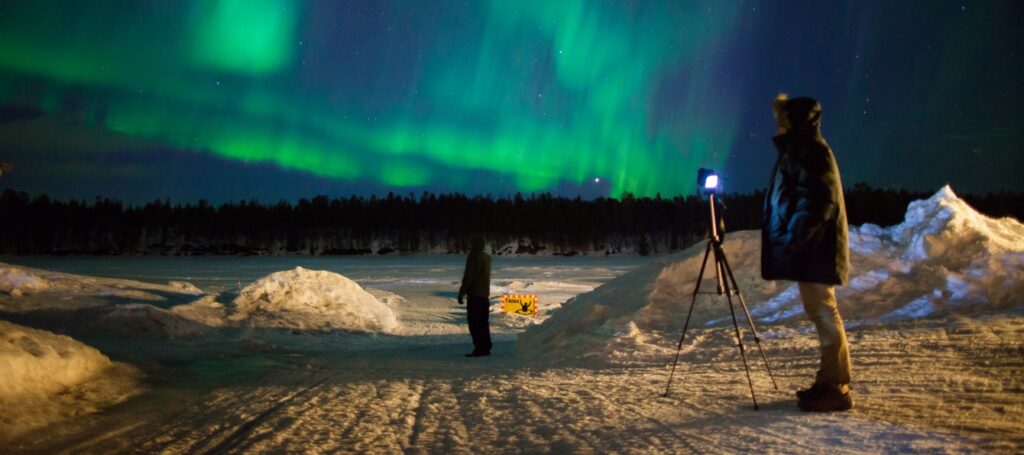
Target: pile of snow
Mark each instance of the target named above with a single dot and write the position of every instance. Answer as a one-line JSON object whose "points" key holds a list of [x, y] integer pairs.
{"points": [[294, 299], [24, 289], [945, 258], [16, 282], [206, 310], [144, 321], [46, 377], [311, 299], [185, 287], [79, 305]]}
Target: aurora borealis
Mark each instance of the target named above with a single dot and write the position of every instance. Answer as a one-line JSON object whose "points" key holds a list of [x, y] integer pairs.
{"points": [[228, 99]]}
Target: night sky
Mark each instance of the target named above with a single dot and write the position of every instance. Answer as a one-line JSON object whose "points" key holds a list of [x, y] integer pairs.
{"points": [[281, 99]]}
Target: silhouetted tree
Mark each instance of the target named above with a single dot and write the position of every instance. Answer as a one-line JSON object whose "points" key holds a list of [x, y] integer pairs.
{"points": [[409, 224]]}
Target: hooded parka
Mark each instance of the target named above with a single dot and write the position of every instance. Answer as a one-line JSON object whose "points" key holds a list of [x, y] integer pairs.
{"points": [[804, 231], [476, 279]]}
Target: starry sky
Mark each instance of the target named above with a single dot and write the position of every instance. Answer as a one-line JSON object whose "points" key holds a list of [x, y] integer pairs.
{"points": [[281, 99]]}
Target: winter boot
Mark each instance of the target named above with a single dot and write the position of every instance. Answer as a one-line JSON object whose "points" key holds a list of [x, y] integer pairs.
{"points": [[826, 399], [813, 392]]}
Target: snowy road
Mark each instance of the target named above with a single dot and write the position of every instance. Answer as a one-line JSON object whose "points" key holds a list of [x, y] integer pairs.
{"points": [[424, 397]]}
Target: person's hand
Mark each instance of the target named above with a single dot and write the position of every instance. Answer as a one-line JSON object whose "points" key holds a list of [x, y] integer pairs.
{"points": [[460, 299]]}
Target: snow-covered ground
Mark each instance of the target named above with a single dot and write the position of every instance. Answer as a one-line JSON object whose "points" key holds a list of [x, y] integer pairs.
{"points": [[46, 377], [253, 363]]}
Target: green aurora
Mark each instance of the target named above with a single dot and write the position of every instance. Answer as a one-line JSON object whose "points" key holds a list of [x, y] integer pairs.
{"points": [[221, 76], [539, 94]]}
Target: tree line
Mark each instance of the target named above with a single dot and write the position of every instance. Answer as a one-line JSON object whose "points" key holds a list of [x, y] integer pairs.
{"points": [[427, 223]]}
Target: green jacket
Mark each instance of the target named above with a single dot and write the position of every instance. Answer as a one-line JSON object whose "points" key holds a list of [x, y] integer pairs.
{"points": [[476, 281]]}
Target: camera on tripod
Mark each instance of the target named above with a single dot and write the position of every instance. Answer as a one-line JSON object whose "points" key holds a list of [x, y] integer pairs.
{"points": [[709, 182], [726, 285], [707, 179]]}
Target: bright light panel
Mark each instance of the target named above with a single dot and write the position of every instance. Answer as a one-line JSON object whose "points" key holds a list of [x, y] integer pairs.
{"points": [[711, 182]]}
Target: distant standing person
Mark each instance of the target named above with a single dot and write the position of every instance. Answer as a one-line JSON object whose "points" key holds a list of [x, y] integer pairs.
{"points": [[804, 239], [476, 283]]}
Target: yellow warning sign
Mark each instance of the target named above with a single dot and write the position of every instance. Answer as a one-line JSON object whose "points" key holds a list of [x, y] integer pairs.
{"points": [[523, 304]]}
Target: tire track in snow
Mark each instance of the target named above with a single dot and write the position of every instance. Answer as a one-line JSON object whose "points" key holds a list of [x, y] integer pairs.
{"points": [[418, 427], [245, 428], [699, 382], [482, 420], [437, 429], [565, 437], [683, 437], [392, 421], [327, 421]]}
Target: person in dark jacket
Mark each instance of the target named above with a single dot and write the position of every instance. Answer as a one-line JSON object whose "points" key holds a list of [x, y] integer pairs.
{"points": [[804, 239], [476, 284]]}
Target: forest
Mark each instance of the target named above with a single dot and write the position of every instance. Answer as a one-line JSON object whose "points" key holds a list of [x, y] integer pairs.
{"points": [[408, 224]]}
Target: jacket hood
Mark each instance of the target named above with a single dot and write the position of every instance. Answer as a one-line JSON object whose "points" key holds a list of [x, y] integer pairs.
{"points": [[804, 114]]}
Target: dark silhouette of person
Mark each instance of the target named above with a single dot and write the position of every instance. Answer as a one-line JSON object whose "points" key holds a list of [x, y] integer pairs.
{"points": [[476, 284], [804, 239]]}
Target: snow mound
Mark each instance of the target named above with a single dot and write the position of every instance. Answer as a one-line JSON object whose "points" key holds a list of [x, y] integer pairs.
{"points": [[312, 299], [945, 258], [26, 289], [945, 227], [185, 287], [46, 377], [206, 310], [16, 282], [140, 320]]}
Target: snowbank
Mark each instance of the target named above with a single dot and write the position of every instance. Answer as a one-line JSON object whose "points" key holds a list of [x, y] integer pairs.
{"points": [[206, 310], [79, 305], [24, 289], [45, 377], [311, 299], [140, 320], [945, 258], [16, 281]]}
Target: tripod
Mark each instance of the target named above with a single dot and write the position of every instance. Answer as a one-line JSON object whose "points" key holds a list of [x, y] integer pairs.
{"points": [[727, 286]]}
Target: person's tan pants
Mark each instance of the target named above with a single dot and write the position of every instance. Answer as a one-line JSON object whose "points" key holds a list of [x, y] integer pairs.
{"points": [[820, 306]]}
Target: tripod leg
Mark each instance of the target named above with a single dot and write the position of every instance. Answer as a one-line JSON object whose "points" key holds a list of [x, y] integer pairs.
{"points": [[719, 257], [750, 321], [696, 289]]}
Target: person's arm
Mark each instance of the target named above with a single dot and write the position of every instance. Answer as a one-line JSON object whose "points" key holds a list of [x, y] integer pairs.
{"points": [[816, 203], [468, 275]]}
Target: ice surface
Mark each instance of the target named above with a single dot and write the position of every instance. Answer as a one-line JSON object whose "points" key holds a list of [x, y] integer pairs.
{"points": [[48, 377], [311, 299]]}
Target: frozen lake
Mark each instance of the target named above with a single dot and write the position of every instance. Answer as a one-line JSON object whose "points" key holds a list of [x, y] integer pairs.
{"points": [[217, 273]]}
